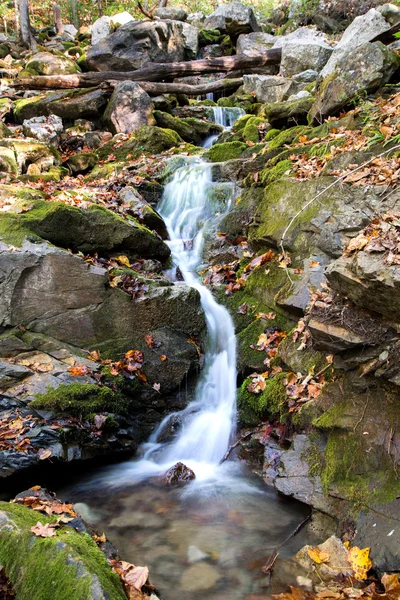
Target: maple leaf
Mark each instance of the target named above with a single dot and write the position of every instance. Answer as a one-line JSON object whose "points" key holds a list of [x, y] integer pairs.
{"points": [[360, 561], [318, 556], [136, 576], [78, 371], [44, 531]]}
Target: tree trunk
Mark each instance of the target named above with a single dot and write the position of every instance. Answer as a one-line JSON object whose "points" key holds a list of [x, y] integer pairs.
{"points": [[73, 9], [152, 88], [100, 7], [25, 25], [58, 19], [16, 9]]}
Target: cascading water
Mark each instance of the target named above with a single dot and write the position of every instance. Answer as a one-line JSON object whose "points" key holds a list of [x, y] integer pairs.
{"points": [[224, 116]]}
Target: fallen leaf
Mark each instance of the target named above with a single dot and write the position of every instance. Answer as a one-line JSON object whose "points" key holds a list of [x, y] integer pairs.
{"points": [[360, 561], [163, 357], [99, 539], [78, 371], [137, 577], [99, 421], [44, 531], [43, 454], [156, 386], [123, 260]]}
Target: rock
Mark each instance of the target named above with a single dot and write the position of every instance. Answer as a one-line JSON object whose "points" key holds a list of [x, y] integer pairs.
{"points": [[298, 56], [101, 28], [139, 42], [253, 44], [142, 210], [28, 151], [190, 129], [172, 13], [390, 12], [77, 104], [84, 572], [45, 63], [196, 19], [368, 281], [84, 33], [8, 162], [295, 110], [148, 140], [130, 108], [334, 338], [370, 65], [81, 163], [199, 577], [70, 29], [195, 554], [267, 88], [179, 473], [302, 35], [95, 229], [44, 129], [121, 18], [363, 29], [233, 18]]}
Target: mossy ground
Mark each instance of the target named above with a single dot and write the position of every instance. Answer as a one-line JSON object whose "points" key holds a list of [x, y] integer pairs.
{"points": [[225, 151], [81, 400], [50, 568], [270, 403]]}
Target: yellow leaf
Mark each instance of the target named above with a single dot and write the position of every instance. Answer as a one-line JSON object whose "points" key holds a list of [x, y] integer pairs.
{"points": [[319, 556], [360, 561], [123, 260]]}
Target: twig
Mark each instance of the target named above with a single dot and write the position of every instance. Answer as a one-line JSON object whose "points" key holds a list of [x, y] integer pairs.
{"points": [[363, 414], [236, 444], [268, 567], [331, 185]]}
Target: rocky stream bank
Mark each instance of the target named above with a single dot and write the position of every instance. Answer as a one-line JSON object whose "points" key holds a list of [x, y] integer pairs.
{"points": [[98, 343]]}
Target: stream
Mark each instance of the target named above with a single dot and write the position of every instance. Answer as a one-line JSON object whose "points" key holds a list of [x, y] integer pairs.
{"points": [[209, 537]]}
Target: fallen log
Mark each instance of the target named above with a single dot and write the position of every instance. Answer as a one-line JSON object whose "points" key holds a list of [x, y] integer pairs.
{"points": [[157, 72], [387, 37], [152, 88]]}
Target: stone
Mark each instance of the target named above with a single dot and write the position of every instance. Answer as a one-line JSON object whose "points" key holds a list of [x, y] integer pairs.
{"points": [[129, 108], [81, 163], [199, 577], [390, 12], [70, 29], [46, 63], [101, 28], [368, 281], [139, 42], [121, 18], [173, 13], [363, 29], [28, 151], [44, 129], [8, 162], [195, 554], [293, 111], [84, 33], [233, 18], [179, 473], [253, 44], [196, 19], [363, 70], [190, 129], [298, 56], [302, 35], [143, 211], [267, 88], [78, 104], [334, 338]]}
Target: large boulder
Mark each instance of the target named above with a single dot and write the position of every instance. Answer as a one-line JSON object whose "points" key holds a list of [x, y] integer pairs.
{"points": [[46, 63], [139, 42], [298, 56], [71, 105], [267, 88], [234, 18], [253, 44], [130, 108], [363, 29], [45, 129], [29, 151], [190, 129], [121, 18], [362, 70], [101, 28]]}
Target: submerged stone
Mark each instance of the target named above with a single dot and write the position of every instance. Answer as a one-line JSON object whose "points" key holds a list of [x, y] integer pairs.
{"points": [[179, 473]]}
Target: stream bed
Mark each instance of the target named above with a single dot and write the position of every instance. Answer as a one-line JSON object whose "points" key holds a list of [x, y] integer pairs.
{"points": [[207, 539]]}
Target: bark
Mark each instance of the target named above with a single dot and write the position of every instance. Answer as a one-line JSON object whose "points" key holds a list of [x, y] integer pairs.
{"points": [[73, 9], [25, 25], [387, 37], [100, 7], [152, 88], [57, 18], [16, 8]]}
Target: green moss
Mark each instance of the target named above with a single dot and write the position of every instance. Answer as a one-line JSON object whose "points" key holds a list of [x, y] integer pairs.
{"points": [[105, 171], [189, 129], [286, 137], [225, 151], [241, 123], [294, 111], [270, 403], [209, 36], [251, 131], [314, 457], [53, 174], [146, 140], [50, 568], [271, 134], [283, 168], [80, 399]]}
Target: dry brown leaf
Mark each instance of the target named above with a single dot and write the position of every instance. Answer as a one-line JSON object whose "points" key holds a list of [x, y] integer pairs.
{"points": [[44, 531]]}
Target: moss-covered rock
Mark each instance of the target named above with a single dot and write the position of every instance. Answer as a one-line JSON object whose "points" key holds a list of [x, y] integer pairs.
{"points": [[281, 169], [95, 229], [225, 151], [250, 131], [189, 129], [46, 63], [284, 113], [67, 104], [68, 566], [82, 162], [209, 36], [8, 162], [268, 404], [53, 174], [30, 151], [147, 140]]}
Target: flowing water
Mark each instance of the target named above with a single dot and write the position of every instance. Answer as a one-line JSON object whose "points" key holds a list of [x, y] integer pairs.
{"points": [[210, 537]]}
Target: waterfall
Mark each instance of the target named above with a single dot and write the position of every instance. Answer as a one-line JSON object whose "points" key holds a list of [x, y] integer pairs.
{"points": [[226, 115]]}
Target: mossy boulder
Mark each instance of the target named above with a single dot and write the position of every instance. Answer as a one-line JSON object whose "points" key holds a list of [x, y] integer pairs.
{"points": [[68, 566], [82, 162], [8, 162], [53, 174], [225, 151], [147, 140], [209, 36], [95, 229], [30, 151], [280, 114], [250, 132], [46, 63], [190, 129], [72, 105]]}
